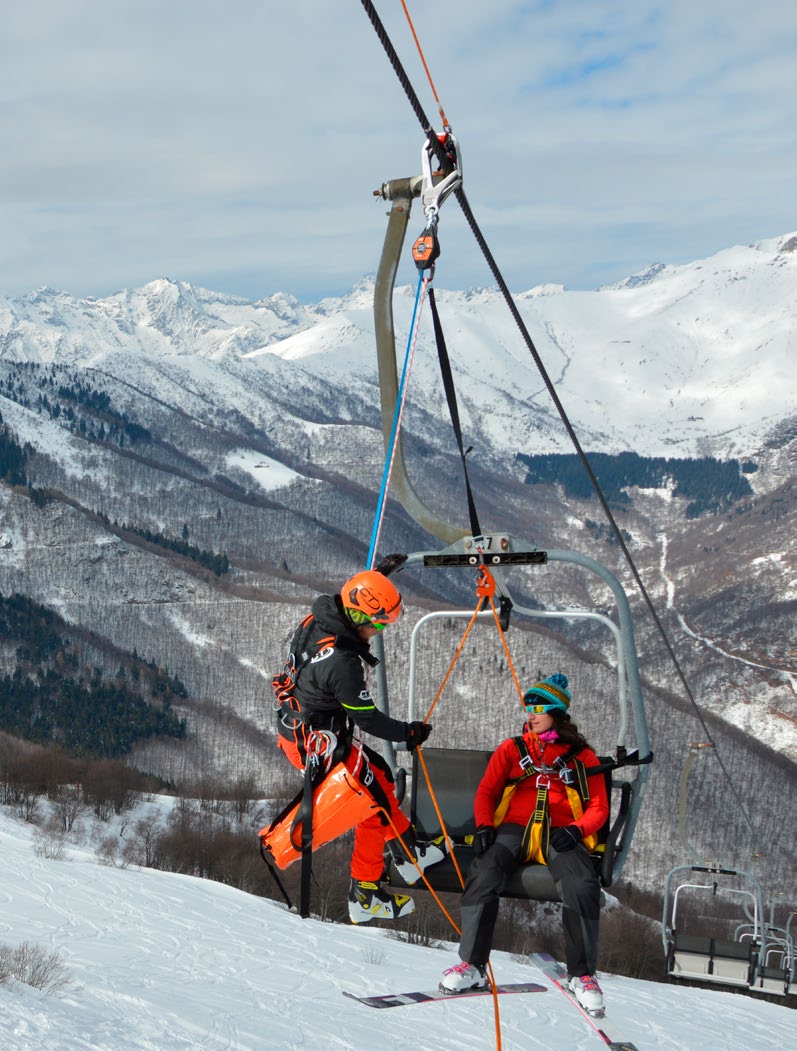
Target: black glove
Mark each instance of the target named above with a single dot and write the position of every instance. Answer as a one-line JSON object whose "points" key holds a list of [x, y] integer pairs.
{"points": [[484, 838], [389, 564], [416, 733], [566, 838]]}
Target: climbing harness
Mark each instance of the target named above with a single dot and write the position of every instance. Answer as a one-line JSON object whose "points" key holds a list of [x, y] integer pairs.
{"points": [[338, 792], [534, 846]]}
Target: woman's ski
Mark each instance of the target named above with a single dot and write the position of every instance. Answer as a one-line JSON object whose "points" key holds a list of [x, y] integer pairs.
{"points": [[554, 971], [402, 999]]}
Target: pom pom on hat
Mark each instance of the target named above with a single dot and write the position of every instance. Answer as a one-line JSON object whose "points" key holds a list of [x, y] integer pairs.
{"points": [[552, 690]]}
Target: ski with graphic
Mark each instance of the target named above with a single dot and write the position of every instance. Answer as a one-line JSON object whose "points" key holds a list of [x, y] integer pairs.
{"points": [[425, 997], [555, 972]]}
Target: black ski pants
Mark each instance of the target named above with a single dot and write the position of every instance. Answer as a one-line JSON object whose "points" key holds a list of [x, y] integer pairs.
{"points": [[577, 884]]}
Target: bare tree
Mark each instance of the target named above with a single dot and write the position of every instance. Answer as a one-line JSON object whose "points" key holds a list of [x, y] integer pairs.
{"points": [[33, 965], [68, 806]]}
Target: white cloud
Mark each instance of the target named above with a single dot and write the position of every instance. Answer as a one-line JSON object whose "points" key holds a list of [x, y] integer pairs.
{"points": [[237, 146]]}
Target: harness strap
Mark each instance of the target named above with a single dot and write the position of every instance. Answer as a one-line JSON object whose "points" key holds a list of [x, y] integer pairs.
{"points": [[313, 776]]}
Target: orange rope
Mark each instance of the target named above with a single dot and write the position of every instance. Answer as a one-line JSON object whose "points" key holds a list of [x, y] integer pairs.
{"points": [[502, 633], [429, 887], [435, 895], [496, 1014], [433, 797], [446, 125], [454, 660], [485, 588]]}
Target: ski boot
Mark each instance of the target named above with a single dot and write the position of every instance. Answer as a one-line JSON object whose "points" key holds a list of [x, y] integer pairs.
{"points": [[463, 977], [589, 994], [427, 854], [367, 901]]}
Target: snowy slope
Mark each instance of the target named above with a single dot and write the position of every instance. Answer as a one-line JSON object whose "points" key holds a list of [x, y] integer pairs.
{"points": [[163, 962]]}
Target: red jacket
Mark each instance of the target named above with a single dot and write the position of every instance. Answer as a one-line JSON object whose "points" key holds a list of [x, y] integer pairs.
{"points": [[505, 764]]}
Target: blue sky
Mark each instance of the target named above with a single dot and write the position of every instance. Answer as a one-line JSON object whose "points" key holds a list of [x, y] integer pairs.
{"points": [[236, 144]]}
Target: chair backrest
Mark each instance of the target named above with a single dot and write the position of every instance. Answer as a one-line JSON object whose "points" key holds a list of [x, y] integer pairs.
{"points": [[455, 774]]}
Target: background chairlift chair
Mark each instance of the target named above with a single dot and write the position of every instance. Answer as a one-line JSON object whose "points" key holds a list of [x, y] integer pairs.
{"points": [[776, 967], [700, 957]]}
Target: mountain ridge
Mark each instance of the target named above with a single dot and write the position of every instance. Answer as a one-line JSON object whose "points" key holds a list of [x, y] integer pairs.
{"points": [[710, 365]]}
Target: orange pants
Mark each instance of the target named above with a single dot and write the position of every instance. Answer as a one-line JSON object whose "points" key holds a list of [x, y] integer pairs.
{"points": [[370, 836]]}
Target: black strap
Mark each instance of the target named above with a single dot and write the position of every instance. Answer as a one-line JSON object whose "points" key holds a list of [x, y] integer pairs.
{"points": [[626, 759], [451, 398], [305, 815], [315, 770], [274, 876]]}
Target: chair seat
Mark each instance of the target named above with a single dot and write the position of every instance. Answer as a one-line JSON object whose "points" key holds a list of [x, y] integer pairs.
{"points": [[528, 881]]}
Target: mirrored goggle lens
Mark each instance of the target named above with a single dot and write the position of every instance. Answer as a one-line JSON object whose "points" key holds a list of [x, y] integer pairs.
{"points": [[357, 616], [540, 709]]}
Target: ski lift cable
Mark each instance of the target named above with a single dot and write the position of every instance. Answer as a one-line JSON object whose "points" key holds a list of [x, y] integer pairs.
{"points": [[446, 166]]}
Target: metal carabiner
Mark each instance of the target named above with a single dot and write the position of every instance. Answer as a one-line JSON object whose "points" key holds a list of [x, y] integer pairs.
{"points": [[433, 194], [321, 745], [566, 774], [426, 248]]}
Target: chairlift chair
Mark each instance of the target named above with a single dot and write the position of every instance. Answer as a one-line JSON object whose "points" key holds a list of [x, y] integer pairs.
{"points": [[703, 957], [454, 773], [791, 961], [774, 972]]}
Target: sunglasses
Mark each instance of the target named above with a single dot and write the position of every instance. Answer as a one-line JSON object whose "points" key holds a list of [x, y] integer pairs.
{"points": [[540, 709]]}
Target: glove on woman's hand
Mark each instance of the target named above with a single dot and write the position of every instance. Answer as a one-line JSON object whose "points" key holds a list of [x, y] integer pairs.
{"points": [[484, 839], [566, 838]]}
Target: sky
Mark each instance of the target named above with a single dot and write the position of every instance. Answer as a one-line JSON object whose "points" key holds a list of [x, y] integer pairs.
{"points": [[236, 145], [158, 961]]}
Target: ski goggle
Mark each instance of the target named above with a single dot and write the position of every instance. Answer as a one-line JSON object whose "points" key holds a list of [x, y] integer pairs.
{"points": [[540, 709], [359, 617]]}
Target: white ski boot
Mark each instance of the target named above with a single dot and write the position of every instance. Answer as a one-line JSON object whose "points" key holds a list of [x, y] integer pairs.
{"points": [[367, 901], [462, 977], [589, 994], [427, 854]]}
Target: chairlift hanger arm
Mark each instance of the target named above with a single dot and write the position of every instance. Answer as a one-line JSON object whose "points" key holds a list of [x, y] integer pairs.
{"points": [[401, 193]]}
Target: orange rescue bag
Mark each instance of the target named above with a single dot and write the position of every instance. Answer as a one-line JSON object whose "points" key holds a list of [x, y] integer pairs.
{"points": [[339, 803]]}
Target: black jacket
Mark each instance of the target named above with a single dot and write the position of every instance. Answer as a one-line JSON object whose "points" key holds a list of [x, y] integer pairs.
{"points": [[331, 687]]}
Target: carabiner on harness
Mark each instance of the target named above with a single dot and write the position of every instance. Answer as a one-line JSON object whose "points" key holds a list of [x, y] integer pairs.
{"points": [[566, 774], [320, 746]]}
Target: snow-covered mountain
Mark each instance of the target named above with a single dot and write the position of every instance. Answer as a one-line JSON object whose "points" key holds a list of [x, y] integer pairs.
{"points": [[678, 360], [157, 961], [254, 429]]}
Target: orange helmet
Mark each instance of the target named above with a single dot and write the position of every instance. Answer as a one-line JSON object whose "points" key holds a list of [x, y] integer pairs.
{"points": [[369, 598]]}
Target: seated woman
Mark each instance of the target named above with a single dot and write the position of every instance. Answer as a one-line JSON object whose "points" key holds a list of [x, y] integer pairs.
{"points": [[551, 752]]}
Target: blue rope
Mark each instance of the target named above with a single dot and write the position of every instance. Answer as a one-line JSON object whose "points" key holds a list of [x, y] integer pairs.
{"points": [[393, 433]]}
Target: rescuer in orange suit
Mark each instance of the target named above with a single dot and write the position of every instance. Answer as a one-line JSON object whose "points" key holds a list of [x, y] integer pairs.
{"points": [[333, 696]]}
